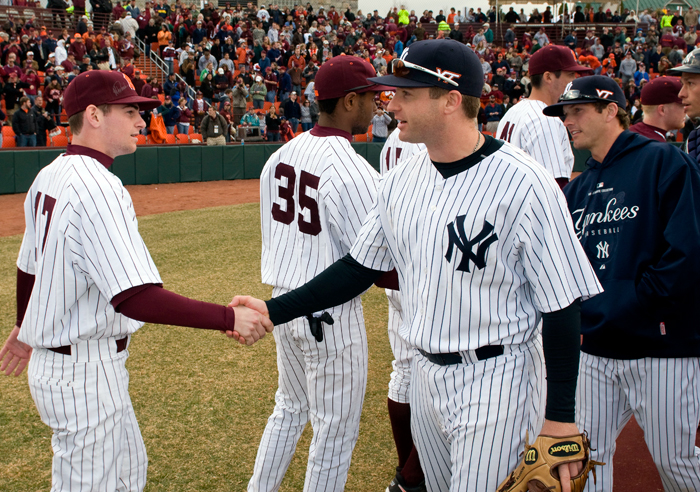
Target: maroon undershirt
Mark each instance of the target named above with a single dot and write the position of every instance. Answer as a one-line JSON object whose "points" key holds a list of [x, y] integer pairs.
{"points": [[562, 182], [327, 131]]}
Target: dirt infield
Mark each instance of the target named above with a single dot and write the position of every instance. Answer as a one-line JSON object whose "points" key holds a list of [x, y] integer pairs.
{"points": [[634, 468], [152, 199]]}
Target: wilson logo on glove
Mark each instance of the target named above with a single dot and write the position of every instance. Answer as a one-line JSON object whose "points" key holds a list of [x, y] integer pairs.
{"points": [[568, 448]]}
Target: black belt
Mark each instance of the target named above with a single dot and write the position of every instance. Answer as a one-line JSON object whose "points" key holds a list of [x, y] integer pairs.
{"points": [[66, 349], [482, 353]]}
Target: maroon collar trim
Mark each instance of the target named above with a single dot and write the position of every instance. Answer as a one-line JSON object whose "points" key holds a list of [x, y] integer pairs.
{"points": [[326, 131], [104, 159]]}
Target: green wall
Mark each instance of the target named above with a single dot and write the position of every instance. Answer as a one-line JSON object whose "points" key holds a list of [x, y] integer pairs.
{"points": [[166, 164]]}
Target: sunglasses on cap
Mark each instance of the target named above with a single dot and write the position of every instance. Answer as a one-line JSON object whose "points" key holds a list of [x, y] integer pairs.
{"points": [[401, 68], [574, 94]]}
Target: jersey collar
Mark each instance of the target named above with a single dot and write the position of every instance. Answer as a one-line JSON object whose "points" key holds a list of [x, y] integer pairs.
{"points": [[326, 131], [104, 159]]}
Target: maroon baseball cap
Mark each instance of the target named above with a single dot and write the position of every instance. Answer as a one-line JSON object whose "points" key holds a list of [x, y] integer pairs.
{"points": [[661, 90], [102, 87], [552, 58], [344, 74]]}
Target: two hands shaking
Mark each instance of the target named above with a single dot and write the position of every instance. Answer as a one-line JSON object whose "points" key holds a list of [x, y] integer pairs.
{"points": [[252, 320]]}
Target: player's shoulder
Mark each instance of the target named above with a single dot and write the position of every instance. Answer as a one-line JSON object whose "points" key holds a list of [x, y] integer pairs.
{"points": [[522, 165], [406, 168]]}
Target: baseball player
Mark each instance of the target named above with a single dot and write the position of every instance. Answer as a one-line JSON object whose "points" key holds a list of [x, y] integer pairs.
{"points": [[409, 475], [690, 97], [662, 109], [85, 283], [636, 213], [315, 192], [544, 139], [484, 249]]}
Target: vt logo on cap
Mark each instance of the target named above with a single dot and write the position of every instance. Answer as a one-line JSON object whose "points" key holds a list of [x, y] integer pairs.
{"points": [[603, 93], [448, 74]]}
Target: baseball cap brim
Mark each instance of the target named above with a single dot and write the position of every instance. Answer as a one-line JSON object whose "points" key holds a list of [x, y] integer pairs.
{"points": [[682, 69], [393, 81], [375, 87], [558, 108]]}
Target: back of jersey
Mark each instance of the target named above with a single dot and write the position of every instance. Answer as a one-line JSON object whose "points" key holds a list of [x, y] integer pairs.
{"points": [[543, 138], [314, 195], [396, 150]]}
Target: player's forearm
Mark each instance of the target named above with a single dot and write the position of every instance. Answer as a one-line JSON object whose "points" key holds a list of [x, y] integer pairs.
{"points": [[339, 283], [25, 284], [153, 304], [561, 342]]}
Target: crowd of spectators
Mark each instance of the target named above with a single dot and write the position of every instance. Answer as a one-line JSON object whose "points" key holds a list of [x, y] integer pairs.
{"points": [[252, 67]]}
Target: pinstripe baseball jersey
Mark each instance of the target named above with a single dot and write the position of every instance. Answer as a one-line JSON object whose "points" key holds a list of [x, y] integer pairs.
{"points": [[483, 252], [396, 150], [82, 243], [542, 138], [314, 194]]}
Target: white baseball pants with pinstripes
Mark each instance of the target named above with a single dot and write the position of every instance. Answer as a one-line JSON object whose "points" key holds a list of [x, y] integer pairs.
{"points": [[319, 382], [96, 440], [664, 397], [469, 420], [400, 382]]}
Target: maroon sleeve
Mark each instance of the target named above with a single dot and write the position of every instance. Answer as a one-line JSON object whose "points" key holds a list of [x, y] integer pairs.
{"points": [[153, 304], [25, 284], [562, 182], [388, 280]]}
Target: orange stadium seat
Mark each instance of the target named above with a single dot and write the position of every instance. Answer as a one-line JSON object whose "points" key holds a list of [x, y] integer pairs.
{"points": [[196, 136], [59, 141], [7, 131], [141, 139], [362, 137], [182, 138], [170, 139], [8, 142]]}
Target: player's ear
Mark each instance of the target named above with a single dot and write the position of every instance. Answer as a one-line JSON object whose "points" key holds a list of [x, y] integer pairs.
{"points": [[350, 100], [93, 116], [452, 102]]}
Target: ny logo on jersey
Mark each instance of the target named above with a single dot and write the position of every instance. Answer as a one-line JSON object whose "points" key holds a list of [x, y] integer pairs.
{"points": [[603, 250], [458, 237]]}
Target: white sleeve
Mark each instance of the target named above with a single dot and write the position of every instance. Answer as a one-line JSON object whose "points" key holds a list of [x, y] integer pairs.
{"points": [[555, 264], [371, 248], [349, 193], [26, 260], [116, 256]]}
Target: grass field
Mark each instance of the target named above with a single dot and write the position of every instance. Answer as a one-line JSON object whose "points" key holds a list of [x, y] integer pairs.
{"points": [[202, 400]]}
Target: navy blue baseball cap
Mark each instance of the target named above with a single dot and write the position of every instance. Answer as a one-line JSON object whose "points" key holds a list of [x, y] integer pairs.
{"points": [[588, 90], [443, 63]]}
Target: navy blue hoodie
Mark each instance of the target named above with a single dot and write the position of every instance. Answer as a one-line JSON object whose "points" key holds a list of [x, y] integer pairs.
{"points": [[637, 215]]}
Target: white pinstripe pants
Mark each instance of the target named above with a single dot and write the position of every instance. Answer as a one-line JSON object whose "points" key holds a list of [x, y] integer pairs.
{"points": [[321, 382], [96, 440], [400, 382], [469, 420], [663, 396]]}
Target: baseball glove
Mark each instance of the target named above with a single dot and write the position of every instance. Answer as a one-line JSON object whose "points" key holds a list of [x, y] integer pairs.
{"points": [[537, 472]]}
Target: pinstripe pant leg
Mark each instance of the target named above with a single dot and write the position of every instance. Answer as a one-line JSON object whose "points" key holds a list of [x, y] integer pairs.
{"points": [[288, 419], [337, 379], [427, 428], [480, 413], [602, 409], [664, 396], [83, 405], [403, 352]]}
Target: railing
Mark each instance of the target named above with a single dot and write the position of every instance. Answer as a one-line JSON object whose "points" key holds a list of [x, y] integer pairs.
{"points": [[163, 67]]}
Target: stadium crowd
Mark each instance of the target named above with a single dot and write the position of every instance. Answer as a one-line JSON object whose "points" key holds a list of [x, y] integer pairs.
{"points": [[252, 68]]}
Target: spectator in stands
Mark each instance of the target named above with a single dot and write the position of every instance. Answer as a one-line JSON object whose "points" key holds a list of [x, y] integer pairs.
{"points": [[307, 122], [188, 70], [213, 128], [207, 59], [494, 113], [221, 83], [44, 121], [272, 124], [52, 93], [170, 85], [13, 91], [641, 74], [258, 91], [380, 123], [184, 114], [239, 99], [227, 62], [170, 114], [286, 133], [292, 111], [285, 84], [12, 67], [24, 124], [627, 68], [207, 88], [30, 62]]}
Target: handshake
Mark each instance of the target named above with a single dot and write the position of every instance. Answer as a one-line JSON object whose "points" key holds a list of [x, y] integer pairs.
{"points": [[252, 320]]}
